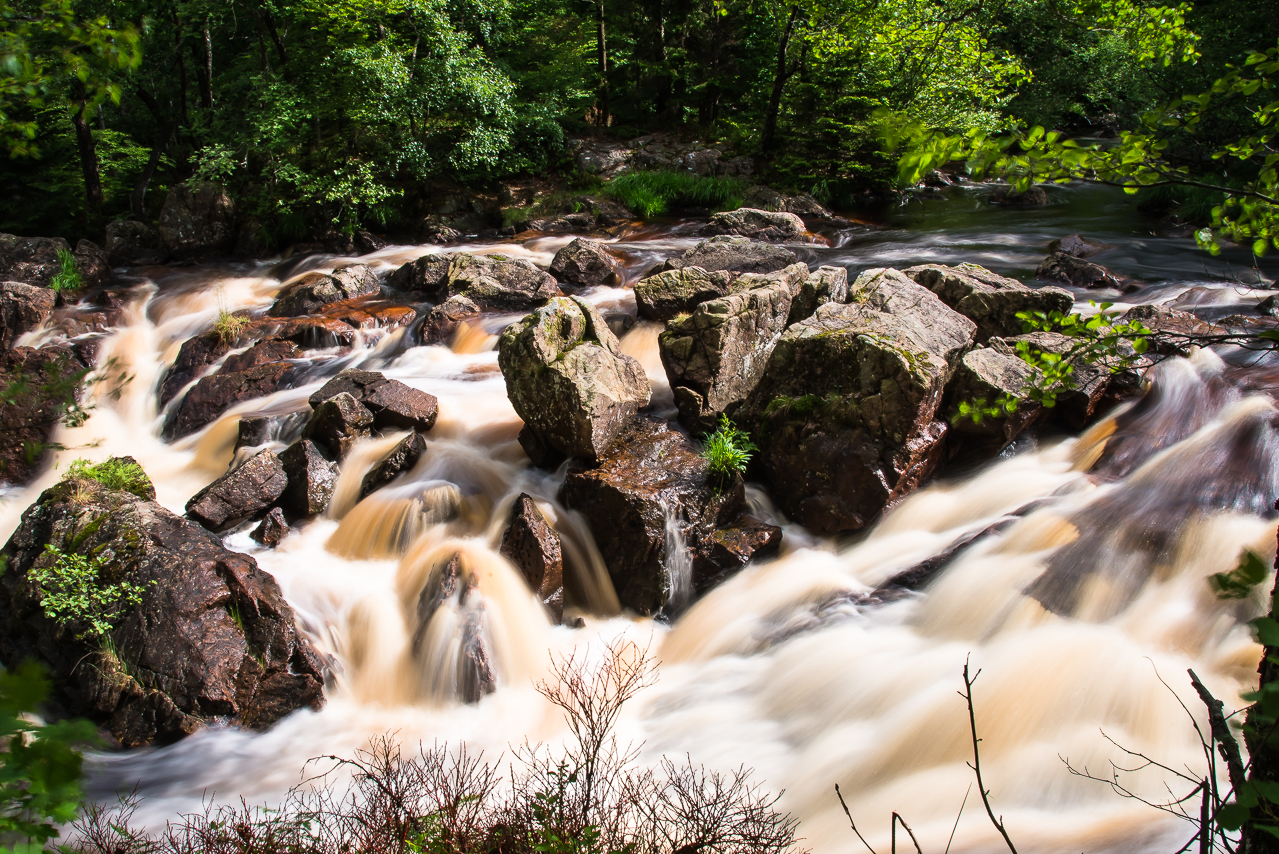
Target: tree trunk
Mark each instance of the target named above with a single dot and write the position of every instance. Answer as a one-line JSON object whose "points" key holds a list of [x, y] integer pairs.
{"points": [[164, 132], [182, 66], [206, 77], [1263, 750], [88, 158], [601, 56], [768, 139]]}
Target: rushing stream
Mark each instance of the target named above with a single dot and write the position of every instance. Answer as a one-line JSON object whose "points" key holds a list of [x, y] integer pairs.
{"points": [[1090, 589]]}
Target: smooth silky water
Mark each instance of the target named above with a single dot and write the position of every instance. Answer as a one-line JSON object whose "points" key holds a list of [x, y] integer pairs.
{"points": [[1087, 591]]}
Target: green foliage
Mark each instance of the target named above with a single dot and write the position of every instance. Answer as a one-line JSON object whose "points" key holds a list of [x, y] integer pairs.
{"points": [[73, 593], [39, 764], [1239, 582], [728, 450], [650, 194], [115, 474], [68, 278], [229, 327]]}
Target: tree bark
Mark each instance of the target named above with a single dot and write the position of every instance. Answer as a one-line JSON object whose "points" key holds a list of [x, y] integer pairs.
{"points": [[88, 157], [601, 56], [768, 138], [206, 77], [1263, 747], [164, 132], [177, 57]]}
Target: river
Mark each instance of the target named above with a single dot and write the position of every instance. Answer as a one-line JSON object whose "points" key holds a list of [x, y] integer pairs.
{"points": [[789, 667]]}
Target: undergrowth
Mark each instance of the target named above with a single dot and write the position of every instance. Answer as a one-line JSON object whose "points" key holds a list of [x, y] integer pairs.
{"points": [[728, 450], [650, 194], [74, 594], [68, 276], [118, 474]]}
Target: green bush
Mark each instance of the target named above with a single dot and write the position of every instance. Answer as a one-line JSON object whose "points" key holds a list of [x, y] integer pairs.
{"points": [[728, 450], [72, 592], [68, 278], [118, 474], [650, 194]]}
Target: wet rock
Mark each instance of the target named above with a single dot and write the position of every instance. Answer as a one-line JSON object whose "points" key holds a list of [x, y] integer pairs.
{"points": [[198, 219], [726, 550], [215, 394], [92, 263], [261, 353], [335, 324], [533, 546], [1175, 331], [1028, 198], [455, 587], [131, 243], [1076, 405], [735, 254], [665, 295], [31, 260], [337, 424], [253, 432], [823, 285], [195, 355], [442, 321], [240, 494], [22, 309], [568, 379], [1269, 307], [845, 414], [435, 232], [213, 639], [983, 377], [496, 282], [403, 457], [1060, 267], [393, 405], [585, 264], [775, 226], [715, 356], [1074, 244], [367, 242], [539, 453], [428, 275], [768, 199], [311, 475], [41, 384], [572, 223], [650, 473], [271, 529], [988, 299], [315, 291]]}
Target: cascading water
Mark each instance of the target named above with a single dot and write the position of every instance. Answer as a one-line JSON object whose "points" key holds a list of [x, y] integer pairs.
{"points": [[1072, 573]]}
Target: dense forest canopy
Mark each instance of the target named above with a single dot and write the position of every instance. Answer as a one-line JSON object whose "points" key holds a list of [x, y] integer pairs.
{"points": [[336, 114]]}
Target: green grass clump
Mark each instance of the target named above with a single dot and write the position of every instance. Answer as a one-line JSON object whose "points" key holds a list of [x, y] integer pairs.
{"points": [[650, 194], [229, 327], [116, 473], [68, 278], [728, 450]]}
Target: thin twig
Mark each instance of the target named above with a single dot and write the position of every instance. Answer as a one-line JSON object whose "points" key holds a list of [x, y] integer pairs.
{"points": [[976, 764], [1221, 732], [961, 813], [852, 823], [896, 818]]}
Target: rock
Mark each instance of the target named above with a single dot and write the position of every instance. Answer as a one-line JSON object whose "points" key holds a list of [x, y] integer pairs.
{"points": [[394, 405], [726, 550], [1073, 244], [568, 379], [215, 394], [1029, 198], [312, 477], [442, 322], [315, 290], [194, 356], [735, 254], [42, 384], [253, 239], [845, 414], [92, 263], [261, 353], [131, 243], [366, 242], [435, 232], [337, 424], [984, 376], [567, 224], [198, 219], [271, 529], [823, 285], [651, 472], [428, 275], [335, 324], [673, 292], [585, 264], [539, 453], [212, 641], [240, 494], [1175, 330], [715, 357], [774, 226], [989, 300], [31, 260], [403, 457], [533, 546], [606, 211], [1074, 405], [497, 282], [1269, 307], [253, 432], [22, 309], [1060, 267], [768, 199]]}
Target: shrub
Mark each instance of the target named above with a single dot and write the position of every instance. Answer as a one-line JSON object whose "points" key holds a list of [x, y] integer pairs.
{"points": [[728, 450], [651, 194], [72, 593], [68, 278], [118, 473]]}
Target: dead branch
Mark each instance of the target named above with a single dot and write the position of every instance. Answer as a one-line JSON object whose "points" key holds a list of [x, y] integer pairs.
{"points": [[976, 763]]}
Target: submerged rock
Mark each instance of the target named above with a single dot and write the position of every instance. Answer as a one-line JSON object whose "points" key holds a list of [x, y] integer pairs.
{"points": [[533, 546], [442, 321], [1029, 198], [1074, 244], [670, 293], [240, 494], [212, 640], [311, 479], [568, 379], [314, 291], [586, 264], [734, 254], [271, 529], [1060, 267], [758, 224], [988, 299], [403, 457], [22, 309], [198, 219]]}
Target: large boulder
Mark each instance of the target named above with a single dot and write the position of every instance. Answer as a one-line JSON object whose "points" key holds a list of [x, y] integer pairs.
{"points": [[211, 642], [1175, 331], [533, 546], [31, 260], [670, 293], [735, 254], [198, 219], [428, 275], [758, 224], [988, 299], [403, 457], [92, 263], [242, 493], [585, 264], [194, 356], [568, 379], [215, 394], [312, 477], [1079, 272], [983, 377], [497, 282], [846, 413], [22, 309], [823, 285], [1088, 382], [314, 291], [715, 356], [42, 385], [394, 405], [132, 243]]}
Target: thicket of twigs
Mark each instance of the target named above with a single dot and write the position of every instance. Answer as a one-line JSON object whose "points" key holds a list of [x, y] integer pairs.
{"points": [[590, 796]]}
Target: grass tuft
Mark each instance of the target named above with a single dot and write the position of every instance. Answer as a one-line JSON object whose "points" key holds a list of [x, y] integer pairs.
{"points": [[116, 474], [728, 450], [68, 278], [650, 194]]}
